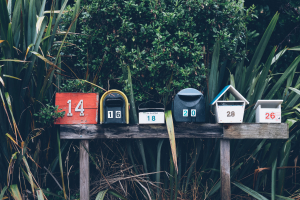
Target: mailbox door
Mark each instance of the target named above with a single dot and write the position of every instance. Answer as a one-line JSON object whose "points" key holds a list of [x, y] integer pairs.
{"points": [[151, 117], [230, 114]]}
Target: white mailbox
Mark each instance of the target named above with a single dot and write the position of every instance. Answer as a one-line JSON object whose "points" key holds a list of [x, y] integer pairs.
{"points": [[268, 111], [151, 112], [229, 111]]}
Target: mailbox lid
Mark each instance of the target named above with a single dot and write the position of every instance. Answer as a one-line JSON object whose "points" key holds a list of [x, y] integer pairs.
{"points": [[188, 98], [268, 103], [90, 106], [233, 91], [189, 92]]}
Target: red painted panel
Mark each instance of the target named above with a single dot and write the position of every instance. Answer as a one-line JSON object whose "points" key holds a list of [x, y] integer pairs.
{"points": [[90, 106]]}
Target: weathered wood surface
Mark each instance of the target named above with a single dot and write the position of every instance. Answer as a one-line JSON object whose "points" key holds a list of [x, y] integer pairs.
{"points": [[182, 130], [84, 170], [256, 131], [225, 169], [90, 106]]}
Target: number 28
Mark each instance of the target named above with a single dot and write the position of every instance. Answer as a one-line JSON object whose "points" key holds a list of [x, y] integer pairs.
{"points": [[230, 114]]}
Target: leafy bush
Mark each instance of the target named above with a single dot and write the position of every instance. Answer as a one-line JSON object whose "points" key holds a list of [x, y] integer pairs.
{"points": [[48, 114], [166, 44]]}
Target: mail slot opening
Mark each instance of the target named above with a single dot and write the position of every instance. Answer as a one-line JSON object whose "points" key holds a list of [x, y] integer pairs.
{"points": [[114, 102], [230, 103], [189, 98]]}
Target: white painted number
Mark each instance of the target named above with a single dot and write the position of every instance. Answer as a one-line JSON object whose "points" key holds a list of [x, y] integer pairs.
{"points": [[193, 112], [185, 113], [69, 113], [110, 114], [77, 109], [118, 114]]}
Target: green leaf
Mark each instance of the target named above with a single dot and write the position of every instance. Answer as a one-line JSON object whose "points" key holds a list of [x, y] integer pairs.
{"points": [[273, 179], [171, 132], [283, 77], [60, 165], [3, 192], [260, 49], [249, 191], [15, 193], [102, 194], [39, 194]]}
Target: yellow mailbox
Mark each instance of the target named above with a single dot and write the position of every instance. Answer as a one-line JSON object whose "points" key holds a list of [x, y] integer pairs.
{"points": [[114, 108]]}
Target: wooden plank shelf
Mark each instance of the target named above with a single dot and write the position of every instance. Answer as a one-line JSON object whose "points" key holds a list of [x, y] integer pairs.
{"points": [[182, 130]]}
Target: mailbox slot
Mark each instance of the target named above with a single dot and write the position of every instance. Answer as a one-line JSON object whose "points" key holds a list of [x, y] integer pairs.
{"points": [[114, 102]]}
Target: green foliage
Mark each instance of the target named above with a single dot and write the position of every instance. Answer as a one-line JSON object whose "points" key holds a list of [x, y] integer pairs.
{"points": [[48, 114], [157, 40], [76, 85]]}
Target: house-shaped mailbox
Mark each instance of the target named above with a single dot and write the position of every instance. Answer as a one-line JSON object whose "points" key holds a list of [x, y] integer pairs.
{"points": [[189, 106], [114, 108], [268, 111], [229, 111], [151, 112]]}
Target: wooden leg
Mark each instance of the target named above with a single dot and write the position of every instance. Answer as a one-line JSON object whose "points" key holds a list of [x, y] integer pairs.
{"points": [[225, 169], [84, 170]]}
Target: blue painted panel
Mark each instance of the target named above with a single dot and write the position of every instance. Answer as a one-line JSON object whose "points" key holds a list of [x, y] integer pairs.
{"points": [[220, 94]]}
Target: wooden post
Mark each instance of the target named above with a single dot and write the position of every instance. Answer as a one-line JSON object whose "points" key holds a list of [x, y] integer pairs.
{"points": [[84, 170], [225, 169]]}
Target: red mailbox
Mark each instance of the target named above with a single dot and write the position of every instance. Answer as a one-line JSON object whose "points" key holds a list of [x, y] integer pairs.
{"points": [[80, 108]]}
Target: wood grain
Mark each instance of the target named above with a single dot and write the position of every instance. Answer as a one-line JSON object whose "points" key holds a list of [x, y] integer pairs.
{"points": [[90, 106], [225, 169], [256, 131], [182, 130], [84, 170]]}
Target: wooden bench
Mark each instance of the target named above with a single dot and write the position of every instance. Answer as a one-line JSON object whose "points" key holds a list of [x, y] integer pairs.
{"points": [[182, 130]]}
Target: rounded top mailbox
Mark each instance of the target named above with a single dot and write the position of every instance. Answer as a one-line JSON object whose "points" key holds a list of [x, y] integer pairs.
{"points": [[114, 108], [189, 106]]}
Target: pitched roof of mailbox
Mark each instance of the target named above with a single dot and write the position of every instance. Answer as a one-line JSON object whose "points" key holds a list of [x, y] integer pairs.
{"points": [[233, 91]]}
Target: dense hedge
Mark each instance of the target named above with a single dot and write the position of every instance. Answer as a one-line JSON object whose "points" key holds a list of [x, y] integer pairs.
{"points": [[167, 44]]}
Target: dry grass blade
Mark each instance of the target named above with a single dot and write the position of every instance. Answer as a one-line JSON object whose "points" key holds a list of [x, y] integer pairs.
{"points": [[170, 127]]}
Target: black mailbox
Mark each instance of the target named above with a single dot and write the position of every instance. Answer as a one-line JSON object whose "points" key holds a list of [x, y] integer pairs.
{"points": [[189, 106], [114, 108]]}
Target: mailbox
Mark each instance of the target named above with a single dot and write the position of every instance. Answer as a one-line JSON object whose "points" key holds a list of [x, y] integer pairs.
{"points": [[189, 106], [114, 108], [229, 111], [151, 112], [80, 108], [268, 111]]}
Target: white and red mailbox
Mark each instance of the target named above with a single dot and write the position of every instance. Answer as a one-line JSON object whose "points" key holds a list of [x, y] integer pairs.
{"points": [[80, 108], [268, 111]]}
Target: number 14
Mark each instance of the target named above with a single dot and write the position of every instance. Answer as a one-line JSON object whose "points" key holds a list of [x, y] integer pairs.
{"points": [[77, 109]]}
